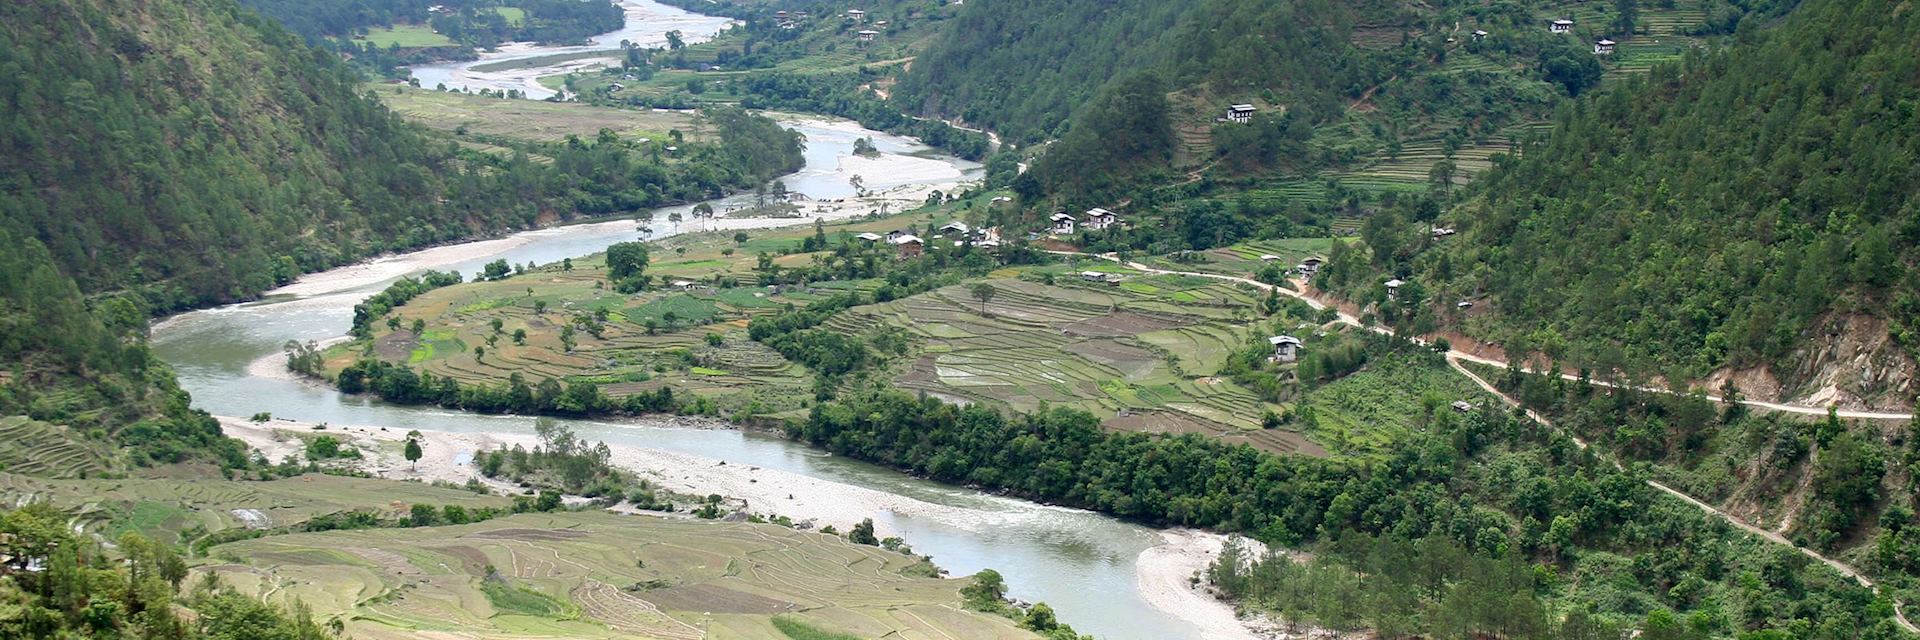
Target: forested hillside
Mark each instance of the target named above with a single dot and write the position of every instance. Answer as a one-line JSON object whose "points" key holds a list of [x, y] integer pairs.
{"points": [[1335, 85], [174, 153], [382, 34], [1753, 206]]}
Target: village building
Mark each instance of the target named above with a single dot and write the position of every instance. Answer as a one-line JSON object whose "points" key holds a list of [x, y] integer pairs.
{"points": [[1393, 288], [1462, 406], [780, 14], [1285, 348], [1062, 224], [956, 227], [1463, 304], [1240, 113], [866, 35], [910, 246], [1268, 257], [896, 234], [1310, 266], [1604, 47], [1442, 232], [1479, 35], [857, 15], [1562, 25], [880, 23], [685, 285], [869, 236], [786, 24], [1098, 218], [1093, 276]]}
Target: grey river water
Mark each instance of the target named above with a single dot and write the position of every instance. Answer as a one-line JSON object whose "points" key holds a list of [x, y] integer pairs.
{"points": [[1081, 563]]}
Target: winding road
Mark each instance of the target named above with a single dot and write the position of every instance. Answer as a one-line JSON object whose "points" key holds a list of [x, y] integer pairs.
{"points": [[1456, 359]]}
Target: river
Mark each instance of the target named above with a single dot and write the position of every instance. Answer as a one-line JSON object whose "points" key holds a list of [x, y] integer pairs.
{"points": [[647, 25], [1081, 563]]}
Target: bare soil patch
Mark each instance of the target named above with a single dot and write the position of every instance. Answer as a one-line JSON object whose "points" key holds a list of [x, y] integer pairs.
{"points": [[1118, 324], [714, 599]]}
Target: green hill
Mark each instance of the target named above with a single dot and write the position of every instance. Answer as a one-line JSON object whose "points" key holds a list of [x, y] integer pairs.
{"points": [[1753, 206]]}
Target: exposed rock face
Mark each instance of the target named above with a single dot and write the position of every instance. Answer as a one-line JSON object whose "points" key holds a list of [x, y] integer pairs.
{"points": [[1849, 360]]}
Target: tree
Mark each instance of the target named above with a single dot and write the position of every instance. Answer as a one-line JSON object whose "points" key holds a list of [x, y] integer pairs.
{"points": [[863, 533], [983, 292], [987, 591], [413, 448], [675, 41]]}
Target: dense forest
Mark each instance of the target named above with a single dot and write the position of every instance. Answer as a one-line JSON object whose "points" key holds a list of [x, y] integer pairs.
{"points": [[466, 25], [1524, 534], [1710, 214]]}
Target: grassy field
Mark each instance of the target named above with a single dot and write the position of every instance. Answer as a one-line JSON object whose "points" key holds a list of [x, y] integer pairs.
{"points": [[532, 120], [601, 575], [405, 36], [171, 508]]}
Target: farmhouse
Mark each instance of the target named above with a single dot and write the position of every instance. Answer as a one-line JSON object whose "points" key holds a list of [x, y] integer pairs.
{"points": [[1462, 406], [1098, 218], [780, 14], [1241, 113], [910, 246], [1442, 232], [1604, 47], [1093, 276], [1310, 266], [1285, 348], [857, 15], [786, 24], [1393, 288], [1268, 257], [866, 35], [956, 227], [870, 237], [1062, 224], [685, 285], [1479, 35], [896, 234], [1562, 25]]}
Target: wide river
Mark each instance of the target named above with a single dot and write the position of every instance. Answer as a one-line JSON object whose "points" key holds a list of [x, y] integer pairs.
{"points": [[1081, 563]]}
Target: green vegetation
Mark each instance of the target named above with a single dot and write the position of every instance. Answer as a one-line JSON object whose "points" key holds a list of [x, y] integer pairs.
{"points": [[1495, 492], [1725, 209], [404, 36], [60, 585]]}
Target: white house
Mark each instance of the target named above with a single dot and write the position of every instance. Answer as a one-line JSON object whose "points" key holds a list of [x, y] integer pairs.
{"points": [[1479, 34], [1393, 288], [1062, 224], [1285, 348], [1310, 266], [1442, 232], [1562, 25], [1098, 218], [896, 234], [866, 35], [1462, 406], [1093, 276], [1604, 47], [1268, 257], [869, 236], [1241, 113], [857, 15], [956, 227], [685, 285], [910, 246]]}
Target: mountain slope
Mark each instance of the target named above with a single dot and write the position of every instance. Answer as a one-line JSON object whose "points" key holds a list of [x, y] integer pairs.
{"points": [[1752, 207]]}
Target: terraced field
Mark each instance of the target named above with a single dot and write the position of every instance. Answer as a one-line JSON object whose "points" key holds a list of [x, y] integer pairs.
{"points": [[1245, 259], [600, 575], [1146, 345], [166, 508], [33, 447]]}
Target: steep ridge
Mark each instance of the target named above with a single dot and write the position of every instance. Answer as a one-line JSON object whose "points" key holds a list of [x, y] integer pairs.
{"points": [[1751, 212]]}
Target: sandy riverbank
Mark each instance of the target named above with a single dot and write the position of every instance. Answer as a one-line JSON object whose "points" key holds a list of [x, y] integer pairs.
{"points": [[448, 457]]}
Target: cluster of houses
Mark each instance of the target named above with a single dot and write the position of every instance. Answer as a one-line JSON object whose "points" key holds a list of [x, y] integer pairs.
{"points": [[1063, 223], [1307, 268], [1601, 47], [790, 20], [912, 246]]}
